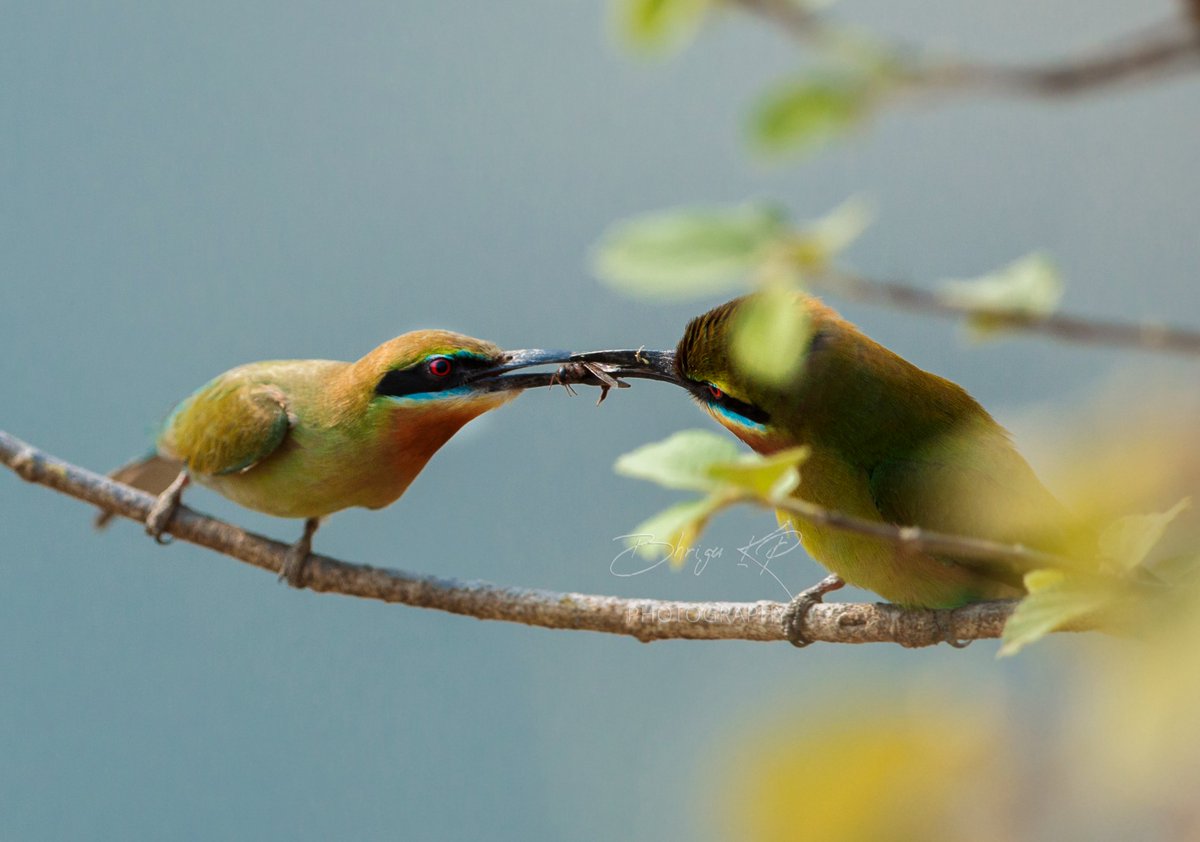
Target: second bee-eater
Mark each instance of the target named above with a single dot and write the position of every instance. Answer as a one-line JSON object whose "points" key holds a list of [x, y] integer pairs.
{"points": [[307, 438], [888, 442]]}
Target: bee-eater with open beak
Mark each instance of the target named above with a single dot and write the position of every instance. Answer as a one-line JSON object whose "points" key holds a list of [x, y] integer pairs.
{"points": [[306, 438], [888, 442]]}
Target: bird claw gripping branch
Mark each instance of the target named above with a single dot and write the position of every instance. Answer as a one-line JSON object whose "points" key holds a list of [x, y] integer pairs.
{"points": [[798, 608]]}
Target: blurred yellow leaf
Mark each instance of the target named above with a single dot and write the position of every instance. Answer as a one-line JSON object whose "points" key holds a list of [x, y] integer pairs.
{"points": [[771, 335], [1180, 569], [769, 477], [859, 771], [1129, 540], [672, 531], [1137, 737], [1054, 601], [1130, 446]]}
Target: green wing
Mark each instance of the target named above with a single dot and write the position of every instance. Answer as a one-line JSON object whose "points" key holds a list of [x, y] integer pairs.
{"points": [[229, 425]]}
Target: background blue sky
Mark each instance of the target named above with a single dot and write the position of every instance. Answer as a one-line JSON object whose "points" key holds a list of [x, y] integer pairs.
{"points": [[186, 187]]}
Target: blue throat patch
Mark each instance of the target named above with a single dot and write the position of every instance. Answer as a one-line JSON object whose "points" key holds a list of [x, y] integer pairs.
{"points": [[740, 420]]}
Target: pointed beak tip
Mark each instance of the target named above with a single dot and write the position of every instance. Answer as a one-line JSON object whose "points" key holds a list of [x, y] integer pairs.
{"points": [[499, 377], [653, 365]]}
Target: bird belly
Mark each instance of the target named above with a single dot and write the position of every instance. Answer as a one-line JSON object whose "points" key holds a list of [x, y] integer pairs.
{"points": [[320, 470], [910, 579], [314, 476]]}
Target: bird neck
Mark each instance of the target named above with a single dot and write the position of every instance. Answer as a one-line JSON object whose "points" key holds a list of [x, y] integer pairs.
{"points": [[761, 438], [415, 431]]}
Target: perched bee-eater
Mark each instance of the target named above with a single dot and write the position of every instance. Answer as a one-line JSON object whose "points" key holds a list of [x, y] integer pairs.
{"points": [[888, 442], [306, 438]]}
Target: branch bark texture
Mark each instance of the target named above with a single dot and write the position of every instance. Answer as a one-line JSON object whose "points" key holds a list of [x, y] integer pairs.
{"points": [[1161, 51], [1143, 336], [644, 619]]}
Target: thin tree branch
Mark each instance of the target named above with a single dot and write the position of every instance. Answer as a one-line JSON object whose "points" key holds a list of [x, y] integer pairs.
{"points": [[644, 619], [914, 539], [1140, 60], [1162, 50], [1144, 336]]}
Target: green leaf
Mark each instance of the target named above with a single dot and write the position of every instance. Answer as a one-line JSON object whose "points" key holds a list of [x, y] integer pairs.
{"points": [[687, 252], [1054, 601], [658, 27], [769, 477], [813, 247], [836, 230], [771, 335], [1030, 286], [801, 115], [682, 460], [700, 460], [1180, 569], [672, 531], [1126, 542]]}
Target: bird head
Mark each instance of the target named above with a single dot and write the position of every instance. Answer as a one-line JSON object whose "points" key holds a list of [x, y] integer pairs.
{"points": [[704, 365], [439, 365], [442, 378], [404, 400]]}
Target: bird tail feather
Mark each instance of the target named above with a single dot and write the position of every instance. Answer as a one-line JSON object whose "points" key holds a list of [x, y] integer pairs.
{"points": [[152, 474]]}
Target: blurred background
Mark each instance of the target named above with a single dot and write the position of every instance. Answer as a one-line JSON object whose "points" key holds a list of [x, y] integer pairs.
{"points": [[189, 187]]}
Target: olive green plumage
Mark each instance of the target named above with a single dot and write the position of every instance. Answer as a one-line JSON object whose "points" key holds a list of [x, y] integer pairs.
{"points": [[889, 442], [306, 438]]}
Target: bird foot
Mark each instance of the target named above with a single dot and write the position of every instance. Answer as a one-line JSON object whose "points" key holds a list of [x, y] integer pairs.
{"points": [[164, 509], [945, 633], [295, 564], [802, 603]]}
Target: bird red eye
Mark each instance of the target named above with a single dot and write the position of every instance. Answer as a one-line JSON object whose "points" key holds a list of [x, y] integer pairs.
{"points": [[440, 366], [715, 393]]}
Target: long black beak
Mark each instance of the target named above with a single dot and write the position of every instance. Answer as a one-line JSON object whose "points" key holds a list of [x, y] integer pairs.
{"points": [[647, 365], [497, 379], [594, 368]]}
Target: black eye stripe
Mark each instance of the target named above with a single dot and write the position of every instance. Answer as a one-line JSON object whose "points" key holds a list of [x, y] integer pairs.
{"points": [[418, 379], [705, 391]]}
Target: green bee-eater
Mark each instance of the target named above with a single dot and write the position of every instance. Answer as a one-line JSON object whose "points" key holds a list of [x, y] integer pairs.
{"points": [[306, 438], [888, 442]]}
